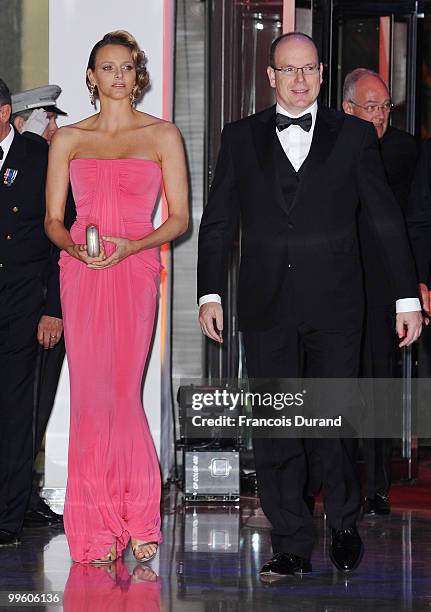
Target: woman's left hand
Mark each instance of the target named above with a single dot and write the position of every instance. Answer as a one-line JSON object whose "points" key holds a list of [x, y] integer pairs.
{"points": [[124, 248]]}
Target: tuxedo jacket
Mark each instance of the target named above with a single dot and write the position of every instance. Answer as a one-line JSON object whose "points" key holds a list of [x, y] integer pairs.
{"points": [[25, 250], [303, 254], [399, 151], [418, 214]]}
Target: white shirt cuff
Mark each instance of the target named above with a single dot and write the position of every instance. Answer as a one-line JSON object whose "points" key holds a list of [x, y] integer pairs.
{"points": [[210, 297], [408, 305], [404, 305]]}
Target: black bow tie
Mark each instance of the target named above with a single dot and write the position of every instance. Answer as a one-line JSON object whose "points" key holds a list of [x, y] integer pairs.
{"points": [[283, 121], [1, 153]]}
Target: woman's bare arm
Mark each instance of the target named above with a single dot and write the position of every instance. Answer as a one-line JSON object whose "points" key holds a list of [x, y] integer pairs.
{"points": [[175, 181], [57, 185]]}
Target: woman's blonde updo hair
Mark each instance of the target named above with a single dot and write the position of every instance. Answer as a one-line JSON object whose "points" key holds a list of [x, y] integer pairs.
{"points": [[121, 37]]}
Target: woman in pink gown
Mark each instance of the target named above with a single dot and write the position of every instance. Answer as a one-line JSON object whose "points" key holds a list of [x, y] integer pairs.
{"points": [[117, 161]]}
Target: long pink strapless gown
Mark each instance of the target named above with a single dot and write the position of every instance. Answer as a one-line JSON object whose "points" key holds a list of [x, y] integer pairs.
{"points": [[113, 488]]}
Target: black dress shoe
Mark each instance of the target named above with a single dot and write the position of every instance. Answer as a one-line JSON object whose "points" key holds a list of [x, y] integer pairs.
{"points": [[369, 508], [379, 504], [284, 564], [8, 539], [346, 549], [382, 505], [42, 516]]}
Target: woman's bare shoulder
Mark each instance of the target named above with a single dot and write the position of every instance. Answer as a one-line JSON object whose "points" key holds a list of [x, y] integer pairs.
{"points": [[156, 124], [64, 138], [68, 138], [74, 129]]}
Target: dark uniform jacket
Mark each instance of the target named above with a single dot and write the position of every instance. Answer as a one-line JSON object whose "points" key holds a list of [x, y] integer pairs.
{"points": [[25, 250], [53, 277]]}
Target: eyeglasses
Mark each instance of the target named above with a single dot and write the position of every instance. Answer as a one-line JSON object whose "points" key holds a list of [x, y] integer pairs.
{"points": [[293, 70], [371, 108]]}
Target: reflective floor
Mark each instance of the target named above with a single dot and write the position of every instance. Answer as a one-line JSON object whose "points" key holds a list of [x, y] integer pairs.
{"points": [[210, 562]]}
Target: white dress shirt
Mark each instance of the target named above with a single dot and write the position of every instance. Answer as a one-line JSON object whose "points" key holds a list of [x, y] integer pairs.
{"points": [[5, 145], [296, 143]]}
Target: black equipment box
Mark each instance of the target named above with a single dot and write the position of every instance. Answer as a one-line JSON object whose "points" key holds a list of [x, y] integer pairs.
{"points": [[222, 436]]}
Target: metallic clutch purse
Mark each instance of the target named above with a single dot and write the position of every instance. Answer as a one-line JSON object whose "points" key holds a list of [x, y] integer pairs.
{"points": [[93, 246]]}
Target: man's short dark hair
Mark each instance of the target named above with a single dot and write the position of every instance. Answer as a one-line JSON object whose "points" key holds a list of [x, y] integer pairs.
{"points": [[4, 93], [278, 40]]}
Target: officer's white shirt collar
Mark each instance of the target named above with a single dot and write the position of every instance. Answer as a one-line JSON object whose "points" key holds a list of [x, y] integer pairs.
{"points": [[5, 144]]}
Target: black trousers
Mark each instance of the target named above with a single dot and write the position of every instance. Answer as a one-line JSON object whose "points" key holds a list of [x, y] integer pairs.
{"points": [[377, 361], [48, 370], [21, 303], [281, 463]]}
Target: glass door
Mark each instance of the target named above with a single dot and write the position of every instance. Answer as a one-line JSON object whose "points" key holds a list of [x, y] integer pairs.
{"points": [[381, 36], [241, 33]]}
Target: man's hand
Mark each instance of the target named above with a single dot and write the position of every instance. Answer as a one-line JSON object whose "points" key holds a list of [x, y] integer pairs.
{"points": [[410, 322], [424, 295], [49, 331], [207, 314]]}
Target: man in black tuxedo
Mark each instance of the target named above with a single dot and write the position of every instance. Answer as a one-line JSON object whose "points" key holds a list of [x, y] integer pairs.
{"points": [[366, 96], [294, 175], [27, 311]]}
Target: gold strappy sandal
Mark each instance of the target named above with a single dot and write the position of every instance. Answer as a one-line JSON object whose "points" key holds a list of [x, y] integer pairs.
{"points": [[137, 544], [109, 558]]}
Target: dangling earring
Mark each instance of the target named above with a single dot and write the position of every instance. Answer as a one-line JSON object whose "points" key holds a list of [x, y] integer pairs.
{"points": [[92, 91], [133, 95]]}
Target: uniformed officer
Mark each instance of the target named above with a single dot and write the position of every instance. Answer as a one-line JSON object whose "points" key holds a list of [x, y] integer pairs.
{"points": [[35, 111], [34, 115], [25, 305]]}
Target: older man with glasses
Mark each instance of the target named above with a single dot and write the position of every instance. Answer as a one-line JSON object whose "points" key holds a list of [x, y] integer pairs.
{"points": [[367, 96]]}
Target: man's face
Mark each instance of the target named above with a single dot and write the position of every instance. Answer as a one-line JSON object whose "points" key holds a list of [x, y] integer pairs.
{"points": [[295, 92], [52, 126], [5, 112], [371, 98]]}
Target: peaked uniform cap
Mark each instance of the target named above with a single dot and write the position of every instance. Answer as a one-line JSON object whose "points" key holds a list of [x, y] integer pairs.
{"points": [[39, 97]]}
